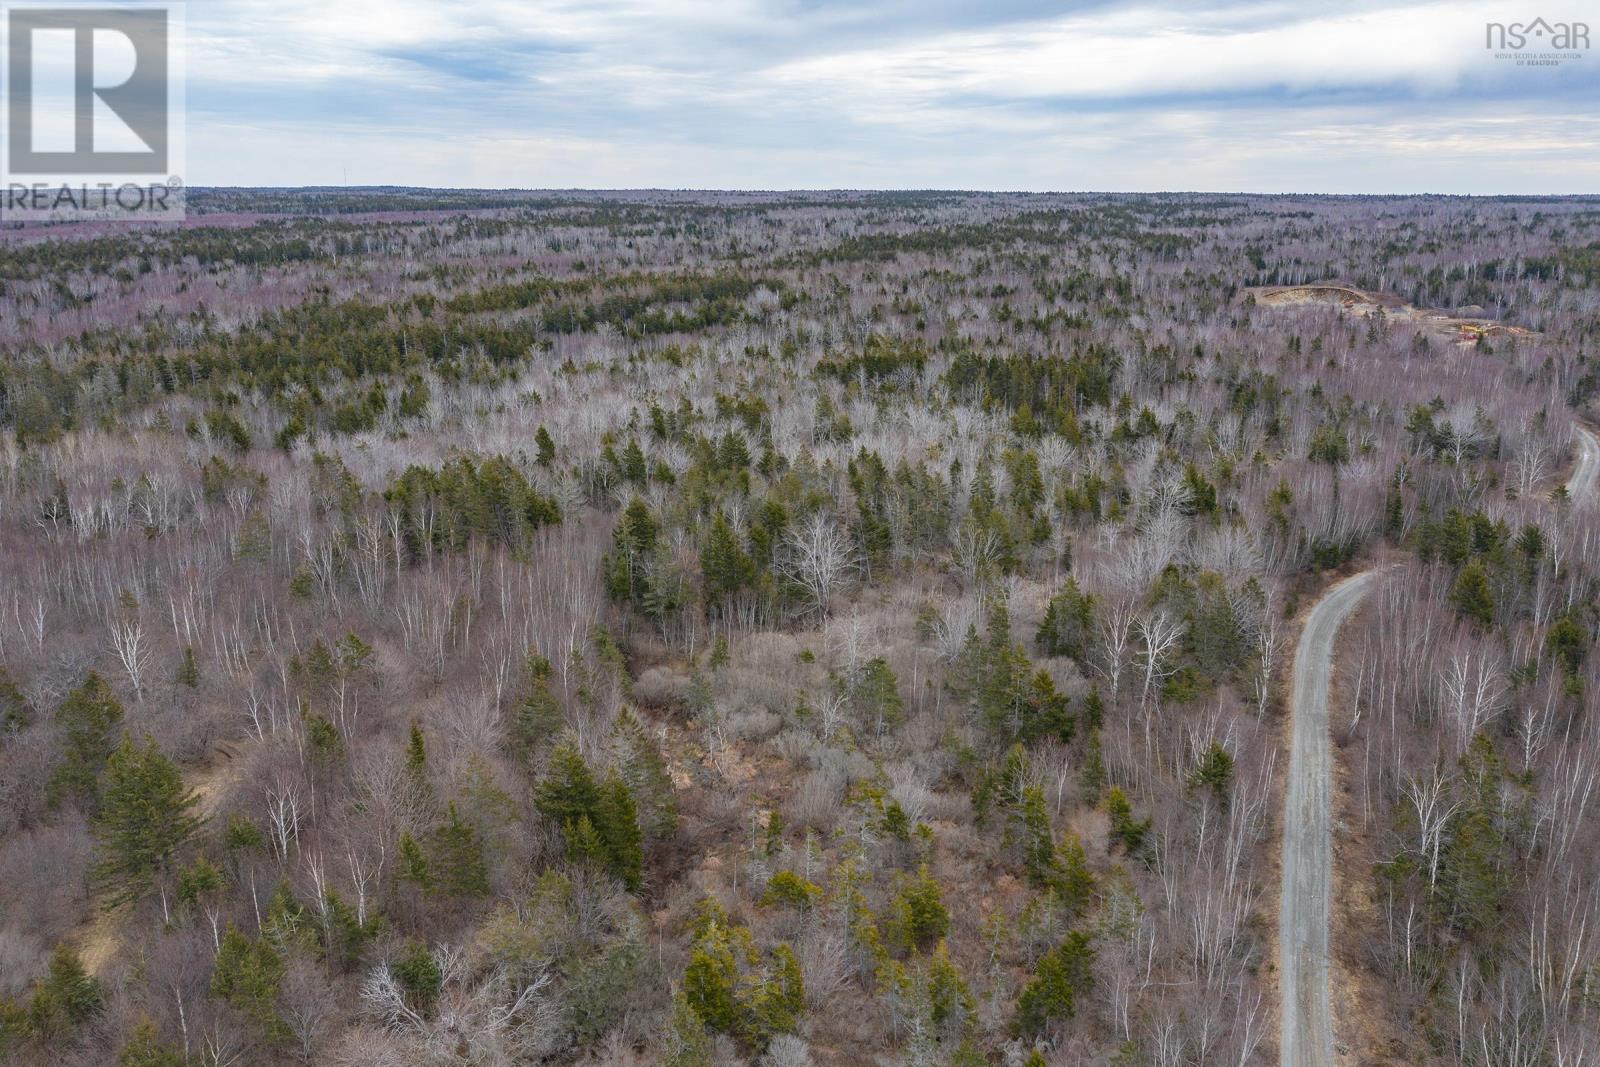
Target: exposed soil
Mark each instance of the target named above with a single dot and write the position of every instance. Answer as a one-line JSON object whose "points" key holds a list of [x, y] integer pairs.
{"points": [[1364, 303]]}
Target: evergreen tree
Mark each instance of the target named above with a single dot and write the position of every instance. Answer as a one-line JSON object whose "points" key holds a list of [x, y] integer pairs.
{"points": [[1472, 595], [1045, 711], [876, 696], [200, 881], [416, 753], [1063, 975], [419, 974], [1074, 882], [567, 790], [16, 714], [1124, 827], [647, 776], [951, 1006], [344, 936], [65, 998], [712, 977], [687, 1044], [1030, 833], [1214, 772], [144, 1048], [633, 546], [919, 917], [145, 818], [538, 717], [248, 975], [617, 821], [1568, 641], [414, 867], [780, 1000], [1067, 628], [88, 719], [725, 567], [188, 672], [455, 858]]}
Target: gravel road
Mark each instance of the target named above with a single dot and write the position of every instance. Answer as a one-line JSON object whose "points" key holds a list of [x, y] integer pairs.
{"points": [[1307, 842], [1307, 825], [1586, 475]]}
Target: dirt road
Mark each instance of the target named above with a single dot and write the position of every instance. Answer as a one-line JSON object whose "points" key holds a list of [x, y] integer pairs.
{"points": [[1307, 837], [1586, 475]]}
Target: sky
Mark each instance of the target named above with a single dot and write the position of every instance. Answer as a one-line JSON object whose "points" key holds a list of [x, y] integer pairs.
{"points": [[788, 94]]}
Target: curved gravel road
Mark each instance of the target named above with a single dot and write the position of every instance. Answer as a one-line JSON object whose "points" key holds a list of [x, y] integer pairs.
{"points": [[1586, 475], [1307, 825], [1307, 843]]}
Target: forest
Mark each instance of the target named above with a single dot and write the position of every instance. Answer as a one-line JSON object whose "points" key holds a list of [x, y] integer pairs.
{"points": [[791, 630]]}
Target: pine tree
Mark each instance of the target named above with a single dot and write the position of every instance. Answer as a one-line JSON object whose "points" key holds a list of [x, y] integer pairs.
{"points": [[16, 713], [66, 997], [144, 1048], [343, 934], [188, 672], [1214, 772], [201, 880], [546, 446], [1074, 882], [617, 821], [419, 974], [456, 858], [584, 843], [248, 975], [1068, 624], [877, 698], [1062, 976], [414, 863], [1030, 833], [711, 978], [1045, 711], [88, 719], [567, 791], [951, 1006], [1568, 641], [287, 924], [145, 818], [416, 753], [538, 716], [687, 1044], [725, 567], [1124, 827], [647, 776], [779, 1001], [919, 916], [633, 545], [1473, 596]]}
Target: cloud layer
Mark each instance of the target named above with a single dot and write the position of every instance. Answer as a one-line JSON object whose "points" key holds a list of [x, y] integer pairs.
{"points": [[1359, 97]]}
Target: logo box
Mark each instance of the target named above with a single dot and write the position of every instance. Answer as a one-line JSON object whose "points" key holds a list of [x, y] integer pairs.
{"points": [[93, 111]]}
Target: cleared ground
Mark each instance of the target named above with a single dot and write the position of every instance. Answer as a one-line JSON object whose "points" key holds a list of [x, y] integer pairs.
{"points": [[1460, 326]]}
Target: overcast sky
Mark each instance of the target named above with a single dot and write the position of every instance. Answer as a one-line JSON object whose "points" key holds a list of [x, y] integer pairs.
{"points": [[1007, 94]]}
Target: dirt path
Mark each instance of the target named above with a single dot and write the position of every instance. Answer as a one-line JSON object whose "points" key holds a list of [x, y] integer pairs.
{"points": [[1307, 1039], [1586, 475]]}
